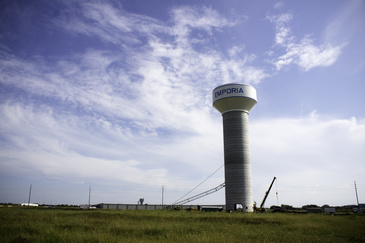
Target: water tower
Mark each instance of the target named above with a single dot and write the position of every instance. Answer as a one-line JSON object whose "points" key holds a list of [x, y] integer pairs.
{"points": [[234, 101]]}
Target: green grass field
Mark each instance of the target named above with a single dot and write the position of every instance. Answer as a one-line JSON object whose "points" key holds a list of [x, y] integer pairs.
{"points": [[65, 225]]}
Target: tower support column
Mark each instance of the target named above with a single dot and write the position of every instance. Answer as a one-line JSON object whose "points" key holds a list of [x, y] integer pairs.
{"points": [[237, 161]]}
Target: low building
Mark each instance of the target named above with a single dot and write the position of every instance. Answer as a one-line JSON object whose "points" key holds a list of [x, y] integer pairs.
{"points": [[329, 210], [130, 206], [153, 206], [314, 210]]}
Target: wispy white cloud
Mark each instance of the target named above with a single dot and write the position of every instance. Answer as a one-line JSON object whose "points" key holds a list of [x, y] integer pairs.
{"points": [[187, 18], [279, 5], [303, 53], [282, 35], [307, 55], [160, 84], [107, 22], [345, 22]]}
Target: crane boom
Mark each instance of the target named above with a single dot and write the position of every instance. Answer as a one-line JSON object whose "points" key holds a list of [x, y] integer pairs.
{"points": [[203, 194], [267, 193]]}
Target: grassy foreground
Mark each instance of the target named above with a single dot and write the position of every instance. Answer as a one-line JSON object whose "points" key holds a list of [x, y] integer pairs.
{"points": [[61, 225]]}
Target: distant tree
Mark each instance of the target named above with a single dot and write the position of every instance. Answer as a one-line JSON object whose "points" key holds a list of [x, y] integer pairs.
{"points": [[309, 206], [325, 206], [286, 207], [274, 207]]}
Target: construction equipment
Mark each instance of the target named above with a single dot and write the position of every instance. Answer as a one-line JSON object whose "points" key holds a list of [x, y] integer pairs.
{"points": [[261, 209], [203, 194]]}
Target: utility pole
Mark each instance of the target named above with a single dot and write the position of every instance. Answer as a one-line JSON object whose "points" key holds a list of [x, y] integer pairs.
{"points": [[277, 195], [30, 193], [89, 195], [357, 198], [162, 194]]}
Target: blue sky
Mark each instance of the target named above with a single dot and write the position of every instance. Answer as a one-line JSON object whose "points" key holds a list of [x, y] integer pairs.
{"points": [[116, 95]]}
